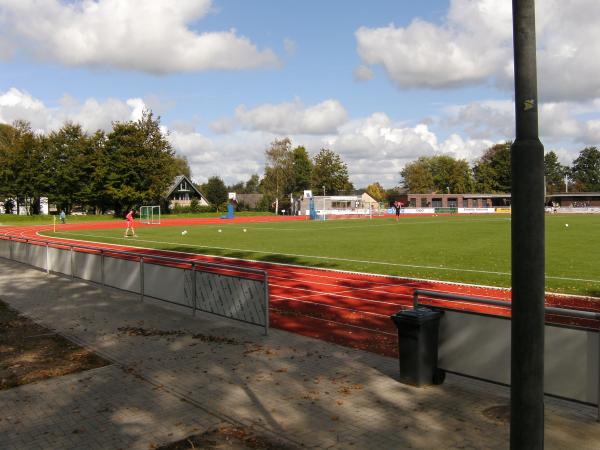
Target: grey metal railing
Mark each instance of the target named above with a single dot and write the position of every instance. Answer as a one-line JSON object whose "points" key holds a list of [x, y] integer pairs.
{"points": [[486, 301], [195, 266], [567, 312]]}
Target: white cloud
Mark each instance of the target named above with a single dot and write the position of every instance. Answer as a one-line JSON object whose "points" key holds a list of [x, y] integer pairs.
{"points": [[483, 119], [292, 117], [374, 147], [223, 126], [473, 45], [290, 46], [562, 125], [152, 35], [363, 73], [234, 157], [592, 132], [91, 114]]}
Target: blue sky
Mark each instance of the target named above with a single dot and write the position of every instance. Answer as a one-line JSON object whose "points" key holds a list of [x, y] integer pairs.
{"points": [[380, 82]]}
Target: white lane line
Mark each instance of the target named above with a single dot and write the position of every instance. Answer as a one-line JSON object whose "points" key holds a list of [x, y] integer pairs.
{"points": [[327, 258], [331, 306], [325, 305], [296, 255], [343, 296], [395, 224], [345, 288]]}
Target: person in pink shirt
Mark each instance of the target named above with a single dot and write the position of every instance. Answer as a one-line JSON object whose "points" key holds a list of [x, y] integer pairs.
{"points": [[129, 219]]}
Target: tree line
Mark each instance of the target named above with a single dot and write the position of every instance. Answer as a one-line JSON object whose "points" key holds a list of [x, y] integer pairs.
{"points": [[289, 171], [129, 165], [134, 164], [491, 173]]}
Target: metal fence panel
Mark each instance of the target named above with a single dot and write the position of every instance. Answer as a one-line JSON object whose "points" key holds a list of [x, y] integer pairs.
{"points": [[232, 296], [20, 252], [88, 266], [59, 260], [479, 346], [5, 248], [122, 274], [571, 363], [168, 283], [36, 256], [475, 345], [237, 298]]}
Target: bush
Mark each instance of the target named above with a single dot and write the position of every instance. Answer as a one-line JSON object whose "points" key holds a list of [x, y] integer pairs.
{"points": [[178, 209]]}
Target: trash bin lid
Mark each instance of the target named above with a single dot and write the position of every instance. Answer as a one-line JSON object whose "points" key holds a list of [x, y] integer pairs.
{"points": [[418, 315]]}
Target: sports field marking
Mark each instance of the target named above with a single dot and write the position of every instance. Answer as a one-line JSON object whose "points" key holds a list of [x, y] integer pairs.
{"points": [[333, 307], [298, 299], [325, 258], [345, 289], [364, 300], [318, 272], [339, 294], [344, 325], [367, 224]]}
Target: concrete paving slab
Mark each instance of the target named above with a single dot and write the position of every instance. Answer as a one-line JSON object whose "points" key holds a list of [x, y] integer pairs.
{"points": [[165, 386]]}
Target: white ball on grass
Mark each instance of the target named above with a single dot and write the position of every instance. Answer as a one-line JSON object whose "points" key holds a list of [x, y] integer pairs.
{"points": [[244, 230], [219, 230], [184, 232], [566, 225]]}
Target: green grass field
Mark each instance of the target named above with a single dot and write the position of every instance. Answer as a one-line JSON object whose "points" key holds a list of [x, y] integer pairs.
{"points": [[471, 249], [14, 220]]}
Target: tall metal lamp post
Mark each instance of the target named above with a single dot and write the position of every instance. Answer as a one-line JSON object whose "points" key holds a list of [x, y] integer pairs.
{"points": [[527, 231]]}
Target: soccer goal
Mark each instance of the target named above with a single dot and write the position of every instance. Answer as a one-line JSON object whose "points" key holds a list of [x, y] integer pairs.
{"points": [[150, 215]]}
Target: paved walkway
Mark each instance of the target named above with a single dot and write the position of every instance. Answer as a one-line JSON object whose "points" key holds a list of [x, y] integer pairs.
{"points": [[307, 392]]}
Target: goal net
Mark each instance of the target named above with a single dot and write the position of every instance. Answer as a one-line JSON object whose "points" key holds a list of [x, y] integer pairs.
{"points": [[150, 215]]}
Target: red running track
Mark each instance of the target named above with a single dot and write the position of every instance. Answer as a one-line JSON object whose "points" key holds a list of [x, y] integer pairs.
{"points": [[346, 308]]}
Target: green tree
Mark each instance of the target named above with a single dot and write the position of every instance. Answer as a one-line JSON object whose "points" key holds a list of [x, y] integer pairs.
{"points": [[376, 191], [70, 166], [585, 171], [8, 138], [492, 171], [22, 173], [417, 176], [194, 205], [182, 166], [278, 181], [141, 161], [441, 173], [302, 170], [238, 187], [330, 171], [252, 185], [554, 173], [95, 191], [215, 191]]}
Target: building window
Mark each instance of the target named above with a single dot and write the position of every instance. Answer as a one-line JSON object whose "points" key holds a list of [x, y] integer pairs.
{"points": [[183, 186], [423, 202], [341, 204], [413, 202], [436, 202], [452, 203], [475, 203], [465, 203]]}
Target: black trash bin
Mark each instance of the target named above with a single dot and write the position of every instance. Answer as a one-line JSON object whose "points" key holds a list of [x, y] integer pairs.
{"points": [[418, 331]]}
